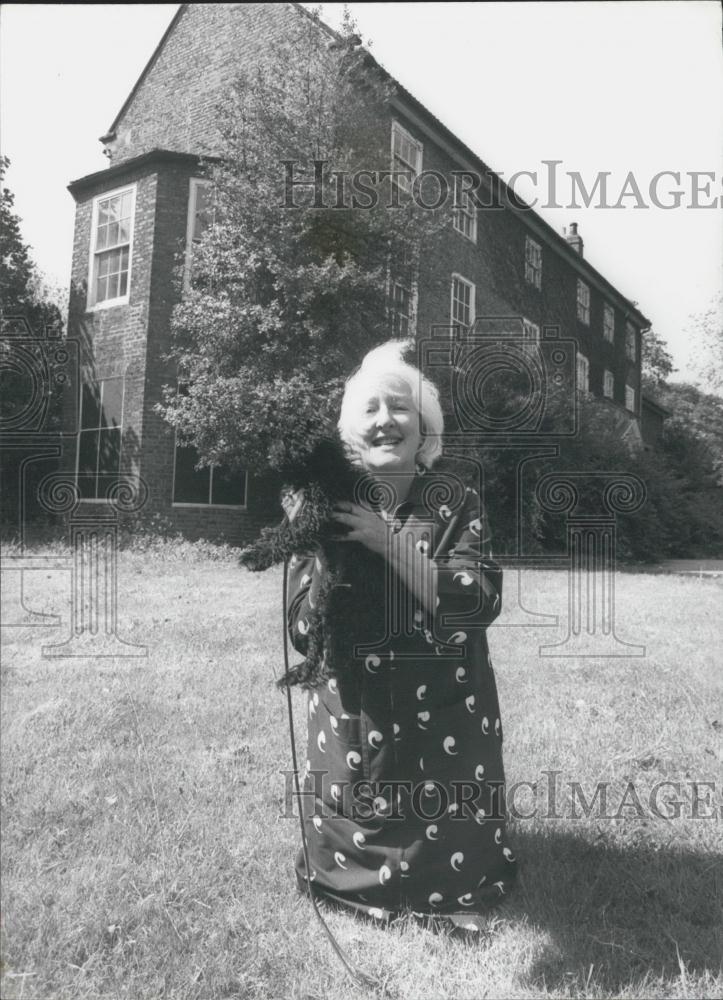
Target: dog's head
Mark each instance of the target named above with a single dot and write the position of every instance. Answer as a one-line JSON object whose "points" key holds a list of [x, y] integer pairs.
{"points": [[326, 463]]}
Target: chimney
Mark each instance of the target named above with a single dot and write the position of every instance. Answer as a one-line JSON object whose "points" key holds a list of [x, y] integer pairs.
{"points": [[571, 235]]}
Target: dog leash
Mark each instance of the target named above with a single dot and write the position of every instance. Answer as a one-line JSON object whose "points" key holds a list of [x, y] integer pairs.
{"points": [[357, 975]]}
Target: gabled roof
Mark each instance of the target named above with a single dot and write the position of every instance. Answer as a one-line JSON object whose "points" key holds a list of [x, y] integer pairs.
{"points": [[407, 102], [146, 70]]}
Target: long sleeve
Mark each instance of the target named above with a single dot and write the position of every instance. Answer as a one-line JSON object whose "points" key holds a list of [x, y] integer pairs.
{"points": [[303, 586], [469, 581]]}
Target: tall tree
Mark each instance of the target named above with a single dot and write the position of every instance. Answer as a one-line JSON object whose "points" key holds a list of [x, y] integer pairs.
{"points": [[27, 310], [24, 295], [290, 284]]}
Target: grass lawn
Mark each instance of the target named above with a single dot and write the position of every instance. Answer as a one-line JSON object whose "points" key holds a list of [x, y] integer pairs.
{"points": [[145, 852]]}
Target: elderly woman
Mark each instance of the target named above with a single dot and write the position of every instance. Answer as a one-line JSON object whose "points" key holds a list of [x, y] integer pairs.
{"points": [[404, 781]]}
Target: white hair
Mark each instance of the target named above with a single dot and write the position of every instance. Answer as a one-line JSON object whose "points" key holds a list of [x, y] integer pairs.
{"points": [[380, 367]]}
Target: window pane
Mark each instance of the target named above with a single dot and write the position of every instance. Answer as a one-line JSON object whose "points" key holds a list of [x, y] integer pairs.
{"points": [[90, 406], [87, 463], [104, 265], [113, 286], [190, 485], [112, 402], [113, 208], [228, 487], [126, 203], [109, 450], [103, 213]]}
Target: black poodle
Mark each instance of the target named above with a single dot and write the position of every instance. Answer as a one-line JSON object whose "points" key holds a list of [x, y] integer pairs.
{"points": [[350, 607]]}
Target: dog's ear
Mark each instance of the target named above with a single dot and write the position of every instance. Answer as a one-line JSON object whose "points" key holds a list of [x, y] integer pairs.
{"points": [[329, 458]]}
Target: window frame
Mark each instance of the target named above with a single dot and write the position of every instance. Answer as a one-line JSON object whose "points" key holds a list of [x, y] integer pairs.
{"points": [[194, 183], [81, 430], [533, 262], [583, 302], [608, 329], [205, 506], [454, 323], [461, 212], [608, 378], [93, 304], [416, 170], [582, 362], [411, 316]]}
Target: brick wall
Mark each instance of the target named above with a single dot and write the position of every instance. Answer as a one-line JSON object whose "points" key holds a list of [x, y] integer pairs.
{"points": [[175, 108], [175, 105], [132, 340], [495, 264]]}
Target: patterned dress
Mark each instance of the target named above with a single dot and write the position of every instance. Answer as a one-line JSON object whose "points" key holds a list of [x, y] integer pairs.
{"points": [[403, 786]]}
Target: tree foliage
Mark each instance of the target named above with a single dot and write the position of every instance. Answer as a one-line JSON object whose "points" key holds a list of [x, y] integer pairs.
{"points": [[700, 415], [23, 291], [657, 362], [27, 312], [285, 301]]}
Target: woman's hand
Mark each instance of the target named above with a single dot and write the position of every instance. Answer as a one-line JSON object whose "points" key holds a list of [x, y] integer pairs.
{"points": [[364, 525], [406, 551]]}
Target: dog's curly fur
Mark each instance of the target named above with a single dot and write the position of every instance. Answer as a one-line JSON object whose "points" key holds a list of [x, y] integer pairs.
{"points": [[351, 596]]}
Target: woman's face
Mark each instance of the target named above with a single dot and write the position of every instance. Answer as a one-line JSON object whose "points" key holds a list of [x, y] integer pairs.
{"points": [[387, 423]]}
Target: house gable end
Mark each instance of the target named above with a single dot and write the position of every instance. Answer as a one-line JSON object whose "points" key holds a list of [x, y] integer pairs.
{"points": [[174, 104]]}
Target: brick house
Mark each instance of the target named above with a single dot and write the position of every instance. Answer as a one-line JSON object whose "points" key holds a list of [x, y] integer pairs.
{"points": [[132, 218]]}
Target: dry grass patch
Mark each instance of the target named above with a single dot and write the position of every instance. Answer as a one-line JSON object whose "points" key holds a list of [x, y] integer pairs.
{"points": [[146, 854]]}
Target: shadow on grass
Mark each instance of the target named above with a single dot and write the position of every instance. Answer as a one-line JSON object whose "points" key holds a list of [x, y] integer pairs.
{"points": [[626, 912]]}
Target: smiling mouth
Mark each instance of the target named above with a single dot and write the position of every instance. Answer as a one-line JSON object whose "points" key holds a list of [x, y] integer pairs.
{"points": [[379, 442]]}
